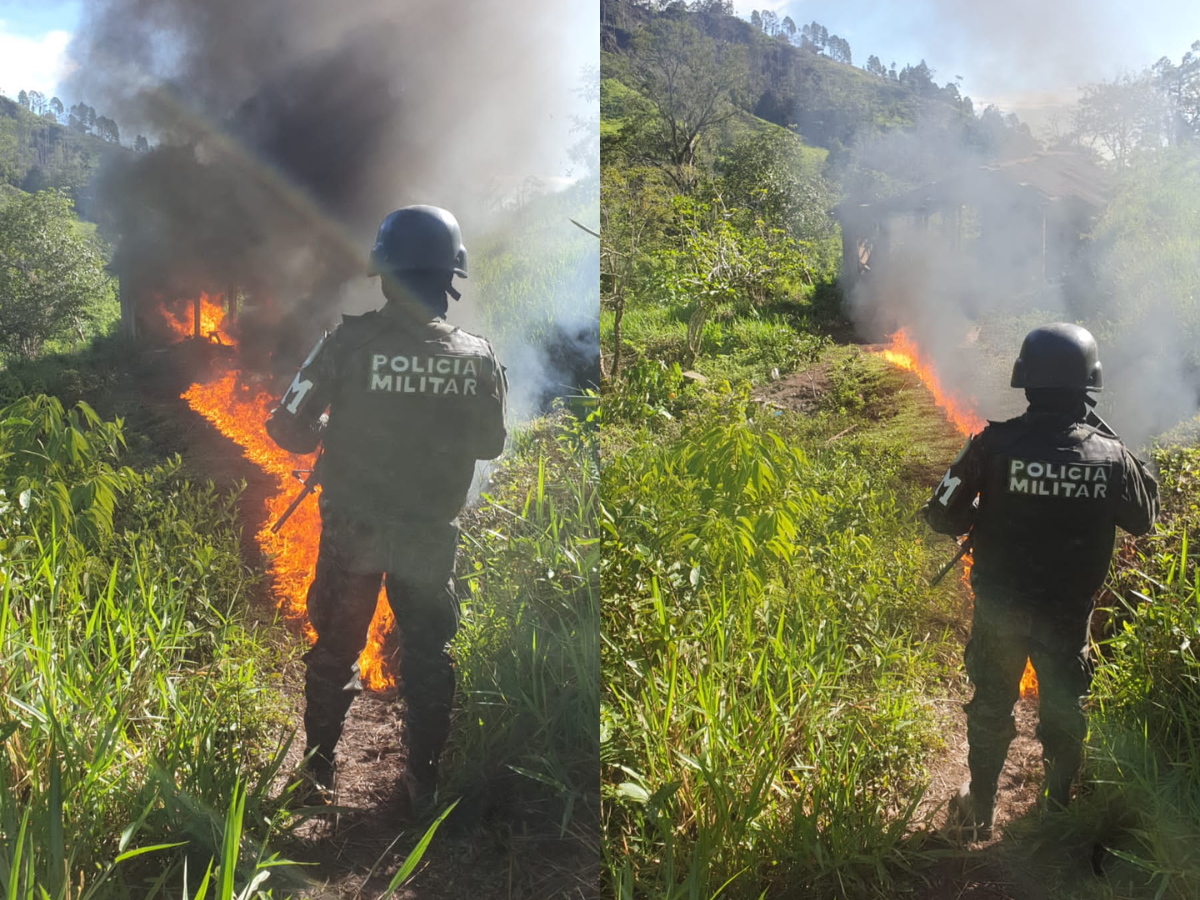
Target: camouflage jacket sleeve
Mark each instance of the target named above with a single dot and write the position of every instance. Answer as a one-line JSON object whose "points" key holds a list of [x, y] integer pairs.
{"points": [[951, 508], [493, 427], [296, 423], [1138, 506]]}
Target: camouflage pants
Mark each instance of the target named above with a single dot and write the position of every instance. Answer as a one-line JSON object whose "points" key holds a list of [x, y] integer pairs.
{"points": [[1003, 636], [417, 568]]}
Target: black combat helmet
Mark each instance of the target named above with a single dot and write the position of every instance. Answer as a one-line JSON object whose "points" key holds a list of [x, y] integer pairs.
{"points": [[419, 239], [1060, 355]]}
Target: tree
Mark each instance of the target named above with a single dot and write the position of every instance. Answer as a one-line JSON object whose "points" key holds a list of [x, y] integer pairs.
{"points": [[1179, 86], [814, 36], [108, 130], [23, 99], [141, 145], [1120, 116], [839, 50], [57, 108], [875, 67], [690, 80], [789, 28], [756, 19], [50, 274], [919, 77], [769, 178], [770, 22]]}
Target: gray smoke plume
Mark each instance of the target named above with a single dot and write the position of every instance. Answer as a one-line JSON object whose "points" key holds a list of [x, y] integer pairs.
{"points": [[285, 130], [974, 248], [1031, 42]]}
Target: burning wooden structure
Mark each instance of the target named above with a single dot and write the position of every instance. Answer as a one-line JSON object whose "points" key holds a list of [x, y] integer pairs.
{"points": [[1022, 220]]}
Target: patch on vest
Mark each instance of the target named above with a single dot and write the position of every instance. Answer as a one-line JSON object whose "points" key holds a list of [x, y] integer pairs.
{"points": [[1073, 481], [442, 375]]}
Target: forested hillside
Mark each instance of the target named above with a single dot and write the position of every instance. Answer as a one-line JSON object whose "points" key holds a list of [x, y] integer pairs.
{"points": [[44, 145], [783, 682]]}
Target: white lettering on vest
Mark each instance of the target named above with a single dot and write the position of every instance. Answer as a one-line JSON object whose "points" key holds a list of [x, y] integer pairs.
{"points": [[1081, 481], [414, 375]]}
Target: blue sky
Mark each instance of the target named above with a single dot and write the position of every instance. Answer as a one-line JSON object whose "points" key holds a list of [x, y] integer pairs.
{"points": [[1017, 53], [33, 42]]}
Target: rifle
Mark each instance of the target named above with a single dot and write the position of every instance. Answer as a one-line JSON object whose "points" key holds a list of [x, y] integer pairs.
{"points": [[1093, 418], [309, 485], [963, 549]]}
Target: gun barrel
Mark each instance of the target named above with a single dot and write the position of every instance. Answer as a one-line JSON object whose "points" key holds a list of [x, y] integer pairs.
{"points": [[310, 484], [287, 513], [963, 550]]}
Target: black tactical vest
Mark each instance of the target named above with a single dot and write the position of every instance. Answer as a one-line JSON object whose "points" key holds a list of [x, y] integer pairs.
{"points": [[412, 408], [1048, 510]]}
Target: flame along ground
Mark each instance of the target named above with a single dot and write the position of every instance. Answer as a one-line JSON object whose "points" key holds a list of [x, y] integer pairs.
{"points": [[237, 406], [904, 353]]}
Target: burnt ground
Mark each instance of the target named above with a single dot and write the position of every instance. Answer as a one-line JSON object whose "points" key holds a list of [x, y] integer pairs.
{"points": [[476, 853]]}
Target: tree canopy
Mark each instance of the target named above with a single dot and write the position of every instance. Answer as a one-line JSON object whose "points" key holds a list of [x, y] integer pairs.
{"points": [[51, 275]]}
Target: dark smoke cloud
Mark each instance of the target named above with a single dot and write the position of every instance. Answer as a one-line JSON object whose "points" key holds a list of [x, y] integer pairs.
{"points": [[285, 130]]}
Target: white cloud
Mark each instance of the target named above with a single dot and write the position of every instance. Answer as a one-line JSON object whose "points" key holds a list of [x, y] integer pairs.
{"points": [[32, 64]]}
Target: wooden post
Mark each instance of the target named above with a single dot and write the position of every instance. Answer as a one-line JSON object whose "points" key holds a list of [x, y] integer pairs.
{"points": [[128, 309], [1043, 243]]}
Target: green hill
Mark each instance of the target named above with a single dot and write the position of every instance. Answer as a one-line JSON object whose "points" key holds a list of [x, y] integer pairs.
{"points": [[39, 152], [828, 103]]}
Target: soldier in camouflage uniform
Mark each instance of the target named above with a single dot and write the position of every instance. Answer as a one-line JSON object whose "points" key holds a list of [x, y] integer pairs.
{"points": [[1042, 496], [412, 404]]}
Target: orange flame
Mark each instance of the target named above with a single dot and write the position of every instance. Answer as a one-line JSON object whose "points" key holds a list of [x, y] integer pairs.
{"points": [[903, 352], [180, 319], [237, 409]]}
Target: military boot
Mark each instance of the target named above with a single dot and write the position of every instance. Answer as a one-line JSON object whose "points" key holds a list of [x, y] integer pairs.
{"points": [[315, 780], [971, 815], [425, 729], [1055, 793], [420, 788]]}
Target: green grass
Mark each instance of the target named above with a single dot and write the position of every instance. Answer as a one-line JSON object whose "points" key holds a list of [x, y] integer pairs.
{"points": [[528, 647], [769, 646], [133, 708]]}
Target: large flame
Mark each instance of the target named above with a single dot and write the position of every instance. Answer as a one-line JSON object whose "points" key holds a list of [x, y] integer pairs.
{"points": [[903, 352], [179, 317], [237, 407]]}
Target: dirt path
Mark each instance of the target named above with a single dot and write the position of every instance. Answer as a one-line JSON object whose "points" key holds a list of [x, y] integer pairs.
{"points": [[982, 871], [476, 854]]}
